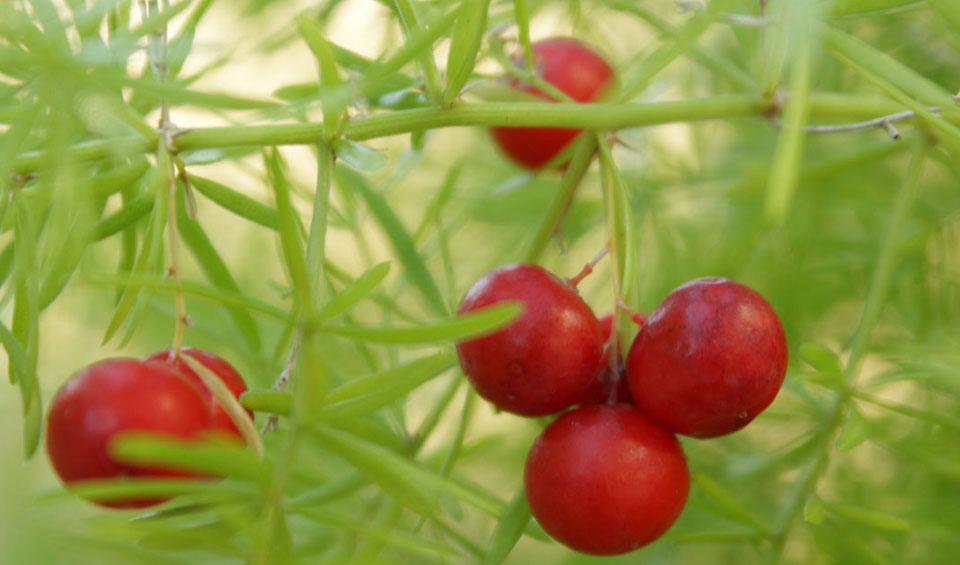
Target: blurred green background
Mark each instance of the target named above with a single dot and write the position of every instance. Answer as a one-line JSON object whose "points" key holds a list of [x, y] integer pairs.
{"points": [[890, 493]]}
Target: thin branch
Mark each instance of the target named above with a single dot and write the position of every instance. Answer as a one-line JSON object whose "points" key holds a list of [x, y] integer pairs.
{"points": [[885, 122], [588, 268], [157, 53]]}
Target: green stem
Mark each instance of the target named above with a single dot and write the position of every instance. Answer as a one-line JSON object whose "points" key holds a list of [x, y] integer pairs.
{"points": [[523, 29], [583, 156], [698, 53], [411, 22], [828, 106]]}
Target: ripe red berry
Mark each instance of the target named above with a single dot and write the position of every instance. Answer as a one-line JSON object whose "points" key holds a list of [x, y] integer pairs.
{"points": [[543, 361], [116, 396], [605, 479], [709, 359], [220, 419], [574, 69]]}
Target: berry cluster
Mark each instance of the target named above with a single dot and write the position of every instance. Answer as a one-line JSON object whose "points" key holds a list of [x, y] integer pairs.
{"points": [[609, 478], [160, 395]]}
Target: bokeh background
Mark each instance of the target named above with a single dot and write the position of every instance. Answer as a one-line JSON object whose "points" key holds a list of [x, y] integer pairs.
{"points": [[697, 193]]}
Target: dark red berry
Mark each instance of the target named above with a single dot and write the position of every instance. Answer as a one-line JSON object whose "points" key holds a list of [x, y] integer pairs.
{"points": [[709, 359], [542, 362], [605, 479], [230, 377], [574, 69], [116, 396], [610, 386]]}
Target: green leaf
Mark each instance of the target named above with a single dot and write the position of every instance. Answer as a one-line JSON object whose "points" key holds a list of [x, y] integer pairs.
{"points": [[26, 325], [814, 511], [360, 396], [133, 488], [224, 457], [718, 537], [270, 401], [399, 477], [508, 530], [388, 536], [149, 252], [475, 324], [467, 36], [158, 20], [193, 288], [821, 358], [418, 41], [317, 239], [6, 262], [900, 75], [114, 180], [240, 204], [620, 230], [122, 218], [355, 291], [182, 95], [788, 155], [439, 201], [211, 155], [872, 518], [290, 242], [366, 394], [16, 356], [521, 14], [334, 98], [359, 156], [216, 271], [328, 492], [828, 380], [399, 238], [855, 430], [861, 7], [583, 152], [949, 10], [945, 420], [639, 74], [727, 502]]}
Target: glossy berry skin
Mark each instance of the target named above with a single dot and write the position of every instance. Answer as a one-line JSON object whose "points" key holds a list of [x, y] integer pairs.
{"points": [[709, 359], [220, 419], [605, 479], [116, 396], [574, 69], [542, 362]]}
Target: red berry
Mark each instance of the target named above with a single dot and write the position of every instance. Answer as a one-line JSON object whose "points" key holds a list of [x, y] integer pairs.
{"points": [[116, 396], [574, 69], [709, 359], [605, 479], [610, 386], [542, 362], [230, 377]]}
